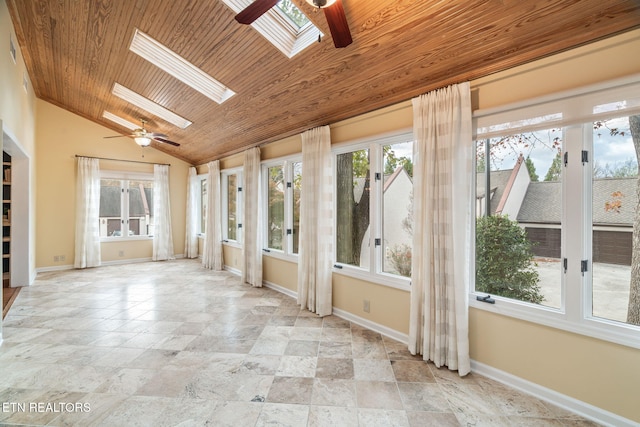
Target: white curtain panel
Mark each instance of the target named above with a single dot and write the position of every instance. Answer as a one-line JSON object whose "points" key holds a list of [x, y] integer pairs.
{"points": [[191, 226], [162, 236], [87, 251], [315, 259], [212, 251], [442, 212], [252, 234]]}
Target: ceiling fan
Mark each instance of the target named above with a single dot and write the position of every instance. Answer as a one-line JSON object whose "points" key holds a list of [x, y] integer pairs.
{"points": [[143, 138], [333, 11]]}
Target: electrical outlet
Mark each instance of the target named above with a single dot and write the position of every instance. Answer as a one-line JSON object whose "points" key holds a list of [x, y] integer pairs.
{"points": [[63, 258], [120, 253], [56, 258], [366, 307]]}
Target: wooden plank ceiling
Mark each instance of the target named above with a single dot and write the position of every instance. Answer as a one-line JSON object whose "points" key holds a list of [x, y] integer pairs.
{"points": [[75, 50]]}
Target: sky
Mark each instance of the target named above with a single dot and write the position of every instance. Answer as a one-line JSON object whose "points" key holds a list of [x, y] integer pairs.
{"points": [[607, 149]]}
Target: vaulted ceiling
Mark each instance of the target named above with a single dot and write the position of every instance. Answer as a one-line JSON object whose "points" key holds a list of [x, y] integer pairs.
{"points": [[76, 50]]}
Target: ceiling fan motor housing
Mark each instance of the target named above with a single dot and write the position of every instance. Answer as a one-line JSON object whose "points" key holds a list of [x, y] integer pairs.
{"points": [[320, 3]]}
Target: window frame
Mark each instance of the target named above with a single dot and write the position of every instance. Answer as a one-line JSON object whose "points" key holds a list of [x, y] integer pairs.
{"points": [[286, 163], [200, 179], [375, 273], [574, 314], [224, 198], [123, 177]]}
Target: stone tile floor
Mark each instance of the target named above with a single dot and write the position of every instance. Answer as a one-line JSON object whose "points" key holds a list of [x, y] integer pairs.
{"points": [[170, 343]]}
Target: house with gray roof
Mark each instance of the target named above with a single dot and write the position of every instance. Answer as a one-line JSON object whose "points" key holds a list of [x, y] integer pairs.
{"points": [[537, 206]]}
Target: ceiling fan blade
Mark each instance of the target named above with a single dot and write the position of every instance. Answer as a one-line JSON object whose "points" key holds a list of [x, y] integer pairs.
{"points": [[118, 136], [166, 141], [338, 24], [254, 11], [154, 135]]}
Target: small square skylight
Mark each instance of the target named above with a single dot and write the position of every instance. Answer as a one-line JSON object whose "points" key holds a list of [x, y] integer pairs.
{"points": [[150, 106], [295, 15], [282, 26]]}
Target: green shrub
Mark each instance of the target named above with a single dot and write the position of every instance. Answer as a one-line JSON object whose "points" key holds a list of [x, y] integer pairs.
{"points": [[400, 258], [504, 260]]}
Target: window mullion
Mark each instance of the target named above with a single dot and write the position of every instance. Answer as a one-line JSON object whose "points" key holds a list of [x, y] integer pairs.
{"points": [[239, 206], [287, 246], [573, 240], [375, 215], [587, 221], [124, 214]]}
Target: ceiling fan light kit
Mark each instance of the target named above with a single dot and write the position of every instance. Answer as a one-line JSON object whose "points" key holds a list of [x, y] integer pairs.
{"points": [[321, 4], [142, 141]]}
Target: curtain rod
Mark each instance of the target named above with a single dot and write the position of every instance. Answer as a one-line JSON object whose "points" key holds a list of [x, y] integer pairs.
{"points": [[123, 160]]}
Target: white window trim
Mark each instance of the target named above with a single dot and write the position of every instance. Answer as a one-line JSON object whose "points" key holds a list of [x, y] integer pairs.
{"points": [[125, 176], [199, 178], [376, 163], [285, 162], [571, 316], [225, 206]]}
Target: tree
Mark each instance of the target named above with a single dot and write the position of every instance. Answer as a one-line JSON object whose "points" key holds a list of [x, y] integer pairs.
{"points": [[480, 163], [392, 162], [555, 170], [292, 11], [504, 260], [633, 311], [353, 215], [532, 169], [633, 308], [275, 207], [626, 169]]}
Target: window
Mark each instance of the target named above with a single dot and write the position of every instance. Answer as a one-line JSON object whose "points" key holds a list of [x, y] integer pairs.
{"points": [[374, 193], [283, 180], [203, 201], [275, 207], [231, 185], [126, 206], [556, 204]]}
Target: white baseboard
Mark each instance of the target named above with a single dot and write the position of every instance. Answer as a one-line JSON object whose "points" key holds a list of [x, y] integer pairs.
{"points": [[280, 289], [576, 406], [54, 268], [376, 327], [232, 270], [114, 262]]}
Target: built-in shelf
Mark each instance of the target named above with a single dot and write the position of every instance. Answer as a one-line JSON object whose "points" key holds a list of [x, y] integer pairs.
{"points": [[6, 219]]}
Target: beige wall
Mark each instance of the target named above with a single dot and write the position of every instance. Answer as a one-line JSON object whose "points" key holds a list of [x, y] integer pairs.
{"points": [[17, 122], [60, 136], [597, 372], [17, 106]]}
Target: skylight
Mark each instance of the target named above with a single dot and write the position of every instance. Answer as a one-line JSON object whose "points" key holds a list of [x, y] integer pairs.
{"points": [[295, 15], [119, 120], [150, 106], [169, 61], [283, 26]]}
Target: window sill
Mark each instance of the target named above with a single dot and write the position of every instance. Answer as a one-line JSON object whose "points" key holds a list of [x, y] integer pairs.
{"points": [[124, 239], [273, 253], [396, 282], [602, 329], [232, 243]]}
